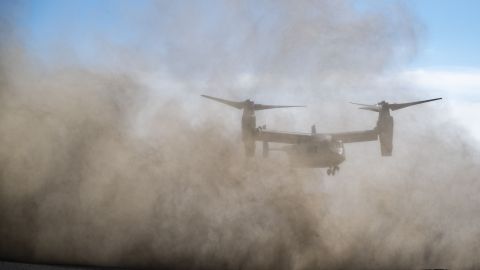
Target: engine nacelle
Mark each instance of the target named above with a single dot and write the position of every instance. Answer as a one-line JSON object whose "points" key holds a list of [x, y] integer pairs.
{"points": [[385, 134], [248, 133]]}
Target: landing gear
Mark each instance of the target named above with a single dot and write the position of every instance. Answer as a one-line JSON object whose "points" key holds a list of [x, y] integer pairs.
{"points": [[332, 170]]}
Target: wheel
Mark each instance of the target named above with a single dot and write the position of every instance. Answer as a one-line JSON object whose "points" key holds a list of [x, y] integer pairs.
{"points": [[329, 171]]}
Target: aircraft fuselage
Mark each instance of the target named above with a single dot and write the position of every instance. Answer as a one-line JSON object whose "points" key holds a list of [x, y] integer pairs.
{"points": [[325, 154]]}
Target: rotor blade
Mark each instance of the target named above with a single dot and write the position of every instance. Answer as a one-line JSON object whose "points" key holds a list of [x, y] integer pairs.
{"points": [[398, 106], [373, 108], [258, 107], [236, 104], [360, 104]]}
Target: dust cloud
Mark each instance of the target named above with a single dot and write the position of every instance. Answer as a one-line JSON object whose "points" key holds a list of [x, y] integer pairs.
{"points": [[118, 162]]}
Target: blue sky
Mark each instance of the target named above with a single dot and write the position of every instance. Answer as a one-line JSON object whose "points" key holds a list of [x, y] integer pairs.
{"points": [[45, 22], [450, 30], [452, 33], [447, 62]]}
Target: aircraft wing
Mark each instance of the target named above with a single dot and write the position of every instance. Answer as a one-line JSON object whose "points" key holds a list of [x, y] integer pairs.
{"points": [[283, 137], [355, 136], [297, 138]]}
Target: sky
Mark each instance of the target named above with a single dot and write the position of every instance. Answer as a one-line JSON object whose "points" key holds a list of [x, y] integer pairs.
{"points": [[451, 35], [447, 62]]}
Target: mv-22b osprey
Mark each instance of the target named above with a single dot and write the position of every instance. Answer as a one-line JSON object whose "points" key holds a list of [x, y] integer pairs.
{"points": [[313, 149]]}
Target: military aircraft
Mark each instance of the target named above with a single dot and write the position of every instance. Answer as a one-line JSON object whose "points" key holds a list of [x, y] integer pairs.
{"points": [[316, 150]]}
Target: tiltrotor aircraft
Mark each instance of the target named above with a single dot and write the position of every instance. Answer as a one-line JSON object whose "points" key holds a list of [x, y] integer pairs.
{"points": [[313, 149]]}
